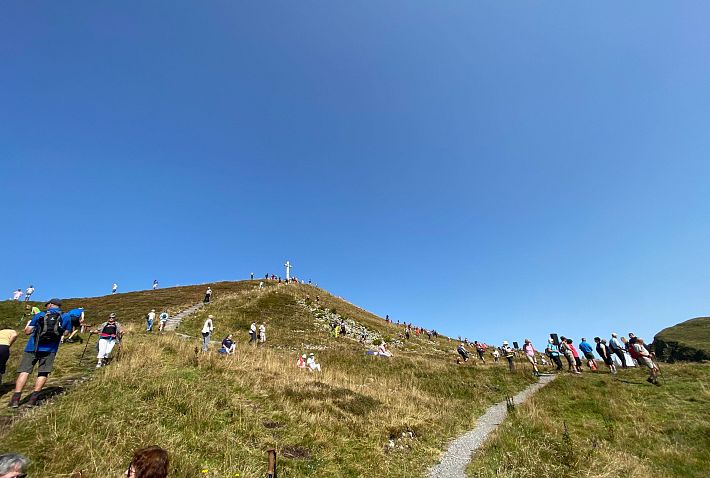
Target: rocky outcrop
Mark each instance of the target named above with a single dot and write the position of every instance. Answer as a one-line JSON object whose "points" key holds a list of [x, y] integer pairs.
{"points": [[687, 341]]}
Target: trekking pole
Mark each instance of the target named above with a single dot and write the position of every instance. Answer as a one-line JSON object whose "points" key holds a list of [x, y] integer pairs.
{"points": [[85, 347]]}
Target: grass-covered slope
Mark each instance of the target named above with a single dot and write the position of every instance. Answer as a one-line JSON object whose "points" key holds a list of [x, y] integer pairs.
{"points": [[602, 425], [689, 340], [362, 416]]}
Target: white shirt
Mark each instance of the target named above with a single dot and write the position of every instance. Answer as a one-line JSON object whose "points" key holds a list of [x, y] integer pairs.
{"points": [[209, 292], [151, 315], [253, 327], [207, 328], [262, 329], [16, 295], [115, 286], [30, 291]]}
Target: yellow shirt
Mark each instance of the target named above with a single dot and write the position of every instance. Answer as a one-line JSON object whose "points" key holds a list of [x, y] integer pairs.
{"points": [[5, 336]]}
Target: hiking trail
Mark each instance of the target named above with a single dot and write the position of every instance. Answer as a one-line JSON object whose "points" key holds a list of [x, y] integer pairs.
{"points": [[457, 456], [175, 320]]}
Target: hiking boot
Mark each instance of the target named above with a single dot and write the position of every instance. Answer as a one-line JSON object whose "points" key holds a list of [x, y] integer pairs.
{"points": [[33, 399], [649, 380], [15, 400], [69, 341]]}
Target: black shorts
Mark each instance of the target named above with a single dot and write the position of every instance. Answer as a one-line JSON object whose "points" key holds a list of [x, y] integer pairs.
{"points": [[4, 356], [29, 359], [608, 360], [578, 361], [589, 355]]}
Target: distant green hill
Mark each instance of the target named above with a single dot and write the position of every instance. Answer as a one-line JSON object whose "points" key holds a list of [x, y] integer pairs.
{"points": [[689, 340]]}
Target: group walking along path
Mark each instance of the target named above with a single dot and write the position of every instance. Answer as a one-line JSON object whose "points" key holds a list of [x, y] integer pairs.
{"points": [[454, 461]]}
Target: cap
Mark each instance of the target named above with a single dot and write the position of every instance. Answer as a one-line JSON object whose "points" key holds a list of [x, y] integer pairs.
{"points": [[311, 354], [303, 356], [53, 301], [152, 310], [614, 334], [112, 315], [210, 316], [505, 342]]}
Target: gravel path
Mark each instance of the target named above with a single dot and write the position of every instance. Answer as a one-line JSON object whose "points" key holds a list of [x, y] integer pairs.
{"points": [[454, 461]]}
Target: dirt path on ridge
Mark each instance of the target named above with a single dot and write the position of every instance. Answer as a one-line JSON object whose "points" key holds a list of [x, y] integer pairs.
{"points": [[454, 461]]}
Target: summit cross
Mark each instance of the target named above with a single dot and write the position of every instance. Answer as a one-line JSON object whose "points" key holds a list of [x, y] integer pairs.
{"points": [[288, 270]]}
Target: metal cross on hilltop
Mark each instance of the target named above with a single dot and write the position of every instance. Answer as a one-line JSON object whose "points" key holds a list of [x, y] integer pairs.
{"points": [[288, 270]]}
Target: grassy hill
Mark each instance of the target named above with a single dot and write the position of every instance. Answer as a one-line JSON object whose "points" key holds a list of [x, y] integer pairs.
{"points": [[602, 425], [689, 341], [362, 416]]}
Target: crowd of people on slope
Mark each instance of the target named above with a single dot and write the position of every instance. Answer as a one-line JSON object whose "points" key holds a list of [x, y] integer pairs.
{"points": [[280, 280], [147, 462], [628, 352], [257, 336]]}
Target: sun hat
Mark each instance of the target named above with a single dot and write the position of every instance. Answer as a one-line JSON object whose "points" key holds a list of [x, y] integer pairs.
{"points": [[505, 342], [303, 356], [312, 354]]}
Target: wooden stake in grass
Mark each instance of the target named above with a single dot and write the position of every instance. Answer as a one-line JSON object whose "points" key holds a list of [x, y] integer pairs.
{"points": [[271, 470]]}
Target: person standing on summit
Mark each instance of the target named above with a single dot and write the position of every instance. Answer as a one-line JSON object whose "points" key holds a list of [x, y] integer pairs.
{"points": [[28, 292], [114, 288], [17, 294]]}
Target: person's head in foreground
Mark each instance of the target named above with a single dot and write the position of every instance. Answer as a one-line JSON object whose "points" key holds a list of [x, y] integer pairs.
{"points": [[148, 462], [13, 465]]}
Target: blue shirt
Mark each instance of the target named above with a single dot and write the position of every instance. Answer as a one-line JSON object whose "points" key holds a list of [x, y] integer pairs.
{"points": [[585, 347], [48, 347], [75, 312]]}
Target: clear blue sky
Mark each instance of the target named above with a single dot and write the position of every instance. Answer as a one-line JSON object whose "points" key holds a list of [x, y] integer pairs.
{"points": [[490, 169]]}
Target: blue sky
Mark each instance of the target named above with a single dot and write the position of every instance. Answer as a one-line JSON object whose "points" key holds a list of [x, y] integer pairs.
{"points": [[490, 169]]}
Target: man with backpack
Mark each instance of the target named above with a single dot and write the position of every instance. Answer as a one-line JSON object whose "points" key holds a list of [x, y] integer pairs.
{"points": [[45, 330]]}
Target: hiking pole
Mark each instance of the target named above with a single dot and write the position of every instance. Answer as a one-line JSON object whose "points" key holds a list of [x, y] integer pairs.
{"points": [[85, 347]]}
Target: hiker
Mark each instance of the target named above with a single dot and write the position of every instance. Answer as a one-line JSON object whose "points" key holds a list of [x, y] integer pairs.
{"points": [[343, 329], [480, 349], [586, 349], [567, 352], [208, 295], [382, 350], [207, 330], [155, 284], [251, 276], [13, 465], [301, 362], [148, 462], [575, 354], [530, 351], [7, 338], [262, 333], [261, 284], [149, 319], [17, 294], [228, 346], [252, 333], [643, 356], [110, 334], [605, 353], [617, 348], [495, 354], [45, 331], [77, 324], [554, 353], [462, 352], [28, 292], [114, 288], [509, 355], [312, 364], [164, 316]]}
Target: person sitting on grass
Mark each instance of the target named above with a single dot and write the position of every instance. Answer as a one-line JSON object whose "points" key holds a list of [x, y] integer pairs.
{"points": [[229, 347], [382, 350], [148, 462], [313, 366], [586, 349], [643, 356], [301, 362]]}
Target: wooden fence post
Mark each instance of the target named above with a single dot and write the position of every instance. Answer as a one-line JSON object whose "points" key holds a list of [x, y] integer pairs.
{"points": [[271, 471]]}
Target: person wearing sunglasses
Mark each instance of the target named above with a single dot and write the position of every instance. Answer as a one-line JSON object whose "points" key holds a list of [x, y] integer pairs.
{"points": [[13, 465], [148, 462]]}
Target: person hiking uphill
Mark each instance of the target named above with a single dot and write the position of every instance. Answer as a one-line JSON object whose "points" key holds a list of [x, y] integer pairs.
{"points": [[77, 324], [110, 334], [530, 355], [207, 330], [28, 292], [605, 353], [618, 349], [509, 354], [480, 350], [554, 353], [7, 338], [45, 330], [462, 352], [163, 320], [644, 358], [149, 319], [586, 348], [208, 295]]}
